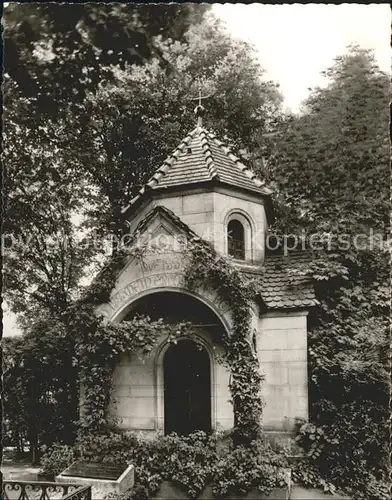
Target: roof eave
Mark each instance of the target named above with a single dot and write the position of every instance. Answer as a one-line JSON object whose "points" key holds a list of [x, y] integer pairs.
{"points": [[265, 308]]}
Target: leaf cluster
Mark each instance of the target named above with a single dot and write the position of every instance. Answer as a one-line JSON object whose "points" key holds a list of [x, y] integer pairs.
{"points": [[190, 462], [39, 380], [208, 270]]}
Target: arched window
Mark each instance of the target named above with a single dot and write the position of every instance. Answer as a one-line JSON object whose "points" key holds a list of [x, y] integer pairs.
{"points": [[236, 239]]}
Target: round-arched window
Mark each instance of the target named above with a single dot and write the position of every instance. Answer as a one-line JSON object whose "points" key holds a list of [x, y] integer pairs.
{"points": [[236, 239]]}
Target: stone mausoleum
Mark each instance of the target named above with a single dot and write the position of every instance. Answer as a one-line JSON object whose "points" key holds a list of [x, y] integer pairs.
{"points": [[203, 189]]}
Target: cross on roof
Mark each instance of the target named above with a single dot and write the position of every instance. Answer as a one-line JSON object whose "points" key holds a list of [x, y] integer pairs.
{"points": [[200, 97], [200, 110]]}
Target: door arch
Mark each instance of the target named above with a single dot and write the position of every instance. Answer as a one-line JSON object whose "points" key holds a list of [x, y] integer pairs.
{"points": [[187, 388]]}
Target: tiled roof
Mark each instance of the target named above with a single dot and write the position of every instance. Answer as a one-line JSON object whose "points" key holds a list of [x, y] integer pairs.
{"points": [[282, 282], [201, 157]]}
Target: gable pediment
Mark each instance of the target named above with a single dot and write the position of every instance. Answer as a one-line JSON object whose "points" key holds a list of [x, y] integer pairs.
{"points": [[159, 226], [158, 245], [158, 265]]}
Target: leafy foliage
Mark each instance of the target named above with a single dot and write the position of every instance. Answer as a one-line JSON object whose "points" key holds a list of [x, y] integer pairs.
{"points": [[191, 462], [56, 459], [39, 383], [207, 269], [55, 53], [341, 138], [326, 465], [43, 258], [246, 468], [99, 348]]}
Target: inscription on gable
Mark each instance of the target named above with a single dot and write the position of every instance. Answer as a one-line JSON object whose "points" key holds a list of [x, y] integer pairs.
{"points": [[162, 264], [145, 283], [152, 272]]}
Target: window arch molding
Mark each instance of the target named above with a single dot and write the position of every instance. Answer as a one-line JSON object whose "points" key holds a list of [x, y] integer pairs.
{"points": [[249, 231]]}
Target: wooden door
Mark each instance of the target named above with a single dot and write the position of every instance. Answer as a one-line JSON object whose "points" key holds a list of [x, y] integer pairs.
{"points": [[187, 388]]}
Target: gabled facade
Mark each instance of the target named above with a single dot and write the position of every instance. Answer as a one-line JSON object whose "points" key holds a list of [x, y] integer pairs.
{"points": [[204, 190]]}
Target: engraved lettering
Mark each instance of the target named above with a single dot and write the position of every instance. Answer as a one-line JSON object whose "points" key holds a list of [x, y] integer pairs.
{"points": [[166, 272]]}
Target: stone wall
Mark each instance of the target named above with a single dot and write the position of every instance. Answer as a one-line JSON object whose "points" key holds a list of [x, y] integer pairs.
{"points": [[137, 402], [206, 214], [195, 210], [282, 353], [137, 397], [133, 396]]}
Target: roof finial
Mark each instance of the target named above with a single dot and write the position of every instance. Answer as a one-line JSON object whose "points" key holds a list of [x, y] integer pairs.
{"points": [[200, 109], [200, 112]]}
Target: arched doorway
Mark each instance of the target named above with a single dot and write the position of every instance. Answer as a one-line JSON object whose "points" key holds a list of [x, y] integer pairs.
{"points": [[187, 388], [144, 405]]}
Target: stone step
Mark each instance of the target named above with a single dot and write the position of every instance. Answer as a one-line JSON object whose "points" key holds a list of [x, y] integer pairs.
{"points": [[299, 493]]}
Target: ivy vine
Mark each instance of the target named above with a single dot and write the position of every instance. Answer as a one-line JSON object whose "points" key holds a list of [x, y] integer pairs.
{"points": [[99, 345], [206, 269]]}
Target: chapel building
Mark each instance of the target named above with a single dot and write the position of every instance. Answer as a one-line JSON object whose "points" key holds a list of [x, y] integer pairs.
{"points": [[203, 189]]}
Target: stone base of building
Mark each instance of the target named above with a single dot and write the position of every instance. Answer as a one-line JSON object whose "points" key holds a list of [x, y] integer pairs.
{"points": [[299, 493], [169, 491]]}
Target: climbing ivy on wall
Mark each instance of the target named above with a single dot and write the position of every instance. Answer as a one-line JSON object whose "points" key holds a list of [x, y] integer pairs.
{"points": [[100, 345], [208, 270]]}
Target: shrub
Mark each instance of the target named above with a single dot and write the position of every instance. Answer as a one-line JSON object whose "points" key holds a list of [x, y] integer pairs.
{"points": [[191, 462], [187, 461], [244, 468], [56, 459], [138, 492], [112, 447], [342, 455], [309, 476]]}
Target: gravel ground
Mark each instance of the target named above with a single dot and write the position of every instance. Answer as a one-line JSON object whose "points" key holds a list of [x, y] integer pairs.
{"points": [[24, 472]]}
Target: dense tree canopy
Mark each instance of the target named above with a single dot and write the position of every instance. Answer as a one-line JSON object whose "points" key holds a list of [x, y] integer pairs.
{"points": [[90, 159], [330, 166], [39, 377], [57, 52], [56, 55], [341, 138]]}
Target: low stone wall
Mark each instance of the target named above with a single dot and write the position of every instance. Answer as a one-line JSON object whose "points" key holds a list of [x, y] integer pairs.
{"points": [[299, 493]]}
